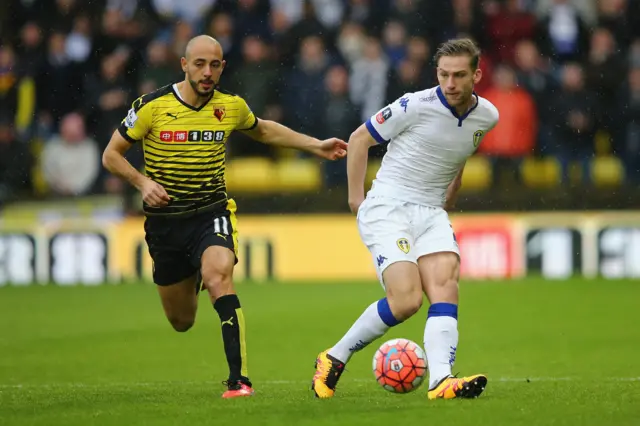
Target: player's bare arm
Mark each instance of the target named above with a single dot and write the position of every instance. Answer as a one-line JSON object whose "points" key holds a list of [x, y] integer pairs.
{"points": [[359, 144], [272, 133], [452, 190], [113, 160]]}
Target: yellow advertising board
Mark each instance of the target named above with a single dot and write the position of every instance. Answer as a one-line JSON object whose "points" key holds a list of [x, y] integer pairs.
{"points": [[328, 248]]}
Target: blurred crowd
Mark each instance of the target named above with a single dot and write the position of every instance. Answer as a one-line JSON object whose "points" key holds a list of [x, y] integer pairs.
{"points": [[565, 74]]}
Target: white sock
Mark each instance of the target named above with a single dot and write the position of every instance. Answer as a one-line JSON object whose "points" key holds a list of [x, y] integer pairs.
{"points": [[372, 324], [441, 340]]}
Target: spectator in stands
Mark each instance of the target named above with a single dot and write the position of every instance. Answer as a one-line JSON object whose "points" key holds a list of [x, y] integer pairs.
{"points": [[585, 8], [339, 119], [533, 73], [70, 161], [603, 70], [31, 51], [562, 33], [407, 13], [304, 90], [98, 56], [107, 97], [191, 11], [288, 43], [351, 41], [60, 92], [394, 37], [251, 19], [627, 132], [419, 52], [467, 20], [573, 112], [256, 79], [15, 163], [368, 79], [328, 12], [612, 16], [222, 28], [79, 42], [159, 69], [407, 78], [514, 137], [506, 28], [8, 82]]}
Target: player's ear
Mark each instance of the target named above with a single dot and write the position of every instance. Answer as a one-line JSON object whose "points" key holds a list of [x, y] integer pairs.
{"points": [[224, 64], [477, 76], [183, 64]]}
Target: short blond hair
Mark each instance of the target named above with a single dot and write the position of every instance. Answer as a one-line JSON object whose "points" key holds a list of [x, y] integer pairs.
{"points": [[459, 47]]}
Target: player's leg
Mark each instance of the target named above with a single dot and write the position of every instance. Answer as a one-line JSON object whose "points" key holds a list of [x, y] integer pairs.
{"points": [[385, 229], [439, 265], [177, 280], [216, 250], [180, 302], [403, 299]]}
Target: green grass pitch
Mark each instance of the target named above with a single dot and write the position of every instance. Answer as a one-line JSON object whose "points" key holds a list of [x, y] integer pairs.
{"points": [[556, 353]]}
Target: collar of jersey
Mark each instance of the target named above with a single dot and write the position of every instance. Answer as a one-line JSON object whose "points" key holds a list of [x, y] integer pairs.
{"points": [[444, 102], [177, 96]]}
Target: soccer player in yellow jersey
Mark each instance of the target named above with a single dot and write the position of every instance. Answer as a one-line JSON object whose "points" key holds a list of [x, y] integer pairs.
{"points": [[190, 224]]}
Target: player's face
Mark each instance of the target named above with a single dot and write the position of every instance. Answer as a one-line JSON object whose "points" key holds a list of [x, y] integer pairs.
{"points": [[457, 79], [203, 69]]}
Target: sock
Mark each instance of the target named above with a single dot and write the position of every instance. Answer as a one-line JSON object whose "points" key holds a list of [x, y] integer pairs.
{"points": [[372, 324], [441, 340], [233, 335]]}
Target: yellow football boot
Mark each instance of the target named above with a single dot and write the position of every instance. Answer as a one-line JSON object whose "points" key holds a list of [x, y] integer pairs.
{"points": [[328, 372], [453, 387]]}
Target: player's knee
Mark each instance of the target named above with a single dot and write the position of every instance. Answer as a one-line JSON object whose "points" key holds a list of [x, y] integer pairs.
{"points": [[181, 323], [217, 282], [404, 305]]}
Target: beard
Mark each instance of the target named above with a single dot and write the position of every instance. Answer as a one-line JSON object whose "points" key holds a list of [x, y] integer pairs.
{"points": [[195, 85]]}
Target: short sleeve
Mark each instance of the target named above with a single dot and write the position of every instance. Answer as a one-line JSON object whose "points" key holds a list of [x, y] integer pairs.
{"points": [[246, 118], [393, 119], [137, 123]]}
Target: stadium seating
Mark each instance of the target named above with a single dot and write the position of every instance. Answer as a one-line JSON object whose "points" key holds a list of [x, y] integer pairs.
{"points": [[607, 171], [543, 172], [259, 175], [477, 174], [252, 175], [298, 175]]}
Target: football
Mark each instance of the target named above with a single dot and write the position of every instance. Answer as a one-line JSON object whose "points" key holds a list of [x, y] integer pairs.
{"points": [[400, 365]]}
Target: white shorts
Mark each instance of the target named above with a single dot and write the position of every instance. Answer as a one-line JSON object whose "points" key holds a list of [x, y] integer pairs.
{"points": [[396, 231]]}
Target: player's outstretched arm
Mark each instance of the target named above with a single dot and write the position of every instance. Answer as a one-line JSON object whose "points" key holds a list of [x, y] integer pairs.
{"points": [[452, 190], [359, 144], [113, 160], [272, 133]]}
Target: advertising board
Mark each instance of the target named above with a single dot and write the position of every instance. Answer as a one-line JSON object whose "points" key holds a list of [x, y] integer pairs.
{"points": [[328, 247]]}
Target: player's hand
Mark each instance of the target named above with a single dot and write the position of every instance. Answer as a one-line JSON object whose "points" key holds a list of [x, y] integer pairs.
{"points": [[153, 194], [332, 149]]}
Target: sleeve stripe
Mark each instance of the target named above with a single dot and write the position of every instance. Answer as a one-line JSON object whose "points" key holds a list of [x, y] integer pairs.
{"points": [[253, 126], [123, 131], [374, 132]]}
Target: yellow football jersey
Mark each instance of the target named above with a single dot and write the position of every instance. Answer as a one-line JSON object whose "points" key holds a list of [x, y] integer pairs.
{"points": [[184, 147]]}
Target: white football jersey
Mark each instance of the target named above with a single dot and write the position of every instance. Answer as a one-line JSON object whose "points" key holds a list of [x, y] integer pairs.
{"points": [[428, 143]]}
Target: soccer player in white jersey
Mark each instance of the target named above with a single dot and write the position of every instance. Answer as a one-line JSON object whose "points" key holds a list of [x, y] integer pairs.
{"points": [[403, 220]]}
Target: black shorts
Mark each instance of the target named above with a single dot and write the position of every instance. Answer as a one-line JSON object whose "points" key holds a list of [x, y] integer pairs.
{"points": [[176, 244]]}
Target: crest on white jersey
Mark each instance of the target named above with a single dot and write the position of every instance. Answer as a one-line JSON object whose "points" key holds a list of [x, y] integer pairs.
{"points": [[477, 137]]}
